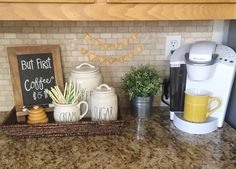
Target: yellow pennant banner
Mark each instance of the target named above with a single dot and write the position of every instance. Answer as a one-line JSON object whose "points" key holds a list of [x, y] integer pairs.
{"points": [[111, 59], [118, 45]]}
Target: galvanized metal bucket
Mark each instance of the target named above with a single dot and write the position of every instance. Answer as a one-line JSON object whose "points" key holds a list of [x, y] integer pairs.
{"points": [[142, 106]]}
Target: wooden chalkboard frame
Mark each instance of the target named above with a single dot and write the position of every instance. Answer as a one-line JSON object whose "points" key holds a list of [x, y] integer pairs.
{"points": [[13, 52]]}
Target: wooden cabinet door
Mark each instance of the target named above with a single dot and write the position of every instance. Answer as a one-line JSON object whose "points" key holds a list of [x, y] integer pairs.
{"points": [[49, 1], [172, 1]]}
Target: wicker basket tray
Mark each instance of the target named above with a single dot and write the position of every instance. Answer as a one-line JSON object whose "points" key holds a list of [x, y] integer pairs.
{"points": [[52, 129]]}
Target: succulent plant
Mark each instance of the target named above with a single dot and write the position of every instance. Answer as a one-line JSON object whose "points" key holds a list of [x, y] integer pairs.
{"points": [[142, 81]]}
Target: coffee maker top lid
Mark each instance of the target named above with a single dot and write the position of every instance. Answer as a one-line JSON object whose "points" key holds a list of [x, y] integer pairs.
{"points": [[202, 51], [197, 63]]}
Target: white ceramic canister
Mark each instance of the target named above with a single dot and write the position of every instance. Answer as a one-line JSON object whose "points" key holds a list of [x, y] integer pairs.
{"points": [[88, 77], [104, 103]]}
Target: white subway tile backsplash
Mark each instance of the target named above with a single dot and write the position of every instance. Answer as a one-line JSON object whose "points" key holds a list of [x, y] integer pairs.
{"points": [[105, 35], [27, 29], [69, 35], [34, 36], [5, 42], [9, 35]]}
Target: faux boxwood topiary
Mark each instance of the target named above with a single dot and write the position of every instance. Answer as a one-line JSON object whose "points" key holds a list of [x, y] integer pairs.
{"points": [[142, 81]]}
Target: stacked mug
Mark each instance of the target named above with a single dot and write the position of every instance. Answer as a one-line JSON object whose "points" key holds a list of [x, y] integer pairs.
{"points": [[197, 105]]}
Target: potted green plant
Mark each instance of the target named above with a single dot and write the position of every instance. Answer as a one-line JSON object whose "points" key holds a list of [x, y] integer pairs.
{"points": [[141, 84]]}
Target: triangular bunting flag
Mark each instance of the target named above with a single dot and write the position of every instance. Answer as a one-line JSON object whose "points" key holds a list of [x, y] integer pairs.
{"points": [[130, 55], [106, 46], [139, 48], [117, 45], [87, 36], [134, 36], [83, 51], [92, 57], [111, 60], [126, 43], [96, 42], [122, 59], [101, 59]]}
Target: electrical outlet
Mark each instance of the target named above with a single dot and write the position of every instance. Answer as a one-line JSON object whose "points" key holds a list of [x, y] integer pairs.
{"points": [[172, 43]]}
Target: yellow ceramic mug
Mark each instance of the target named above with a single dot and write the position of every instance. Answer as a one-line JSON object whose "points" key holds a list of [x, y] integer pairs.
{"points": [[197, 103]]}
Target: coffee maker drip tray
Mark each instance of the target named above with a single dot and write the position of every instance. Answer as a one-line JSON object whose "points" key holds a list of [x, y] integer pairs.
{"points": [[194, 128]]}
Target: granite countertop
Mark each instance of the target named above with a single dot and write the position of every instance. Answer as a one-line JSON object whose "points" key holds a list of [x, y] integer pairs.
{"points": [[147, 143]]}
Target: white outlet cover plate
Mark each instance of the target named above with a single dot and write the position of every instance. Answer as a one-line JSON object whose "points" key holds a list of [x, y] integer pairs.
{"points": [[170, 46]]}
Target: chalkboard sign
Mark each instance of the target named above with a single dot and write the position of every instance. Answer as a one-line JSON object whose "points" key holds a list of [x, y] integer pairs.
{"points": [[36, 74], [34, 69]]}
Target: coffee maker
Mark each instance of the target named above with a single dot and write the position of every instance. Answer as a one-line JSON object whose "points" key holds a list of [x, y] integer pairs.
{"points": [[200, 65]]}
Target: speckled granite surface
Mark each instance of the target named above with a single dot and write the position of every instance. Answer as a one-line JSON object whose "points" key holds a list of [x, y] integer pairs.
{"points": [[145, 144]]}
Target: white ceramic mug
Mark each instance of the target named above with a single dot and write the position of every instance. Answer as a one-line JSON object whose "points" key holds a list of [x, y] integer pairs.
{"points": [[69, 112]]}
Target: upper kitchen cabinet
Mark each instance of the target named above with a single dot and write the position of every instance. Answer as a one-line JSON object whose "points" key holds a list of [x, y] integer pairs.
{"points": [[116, 10], [172, 1], [48, 1]]}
